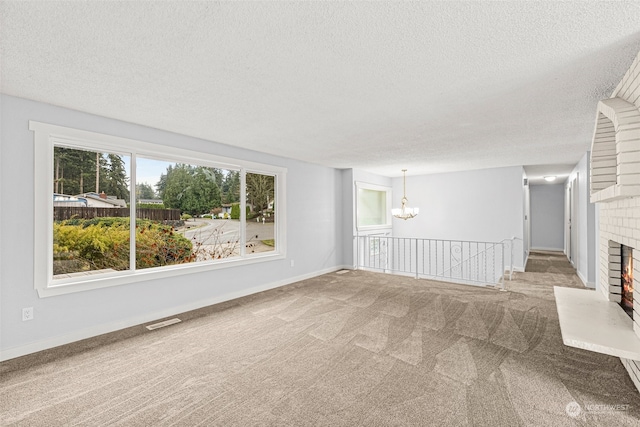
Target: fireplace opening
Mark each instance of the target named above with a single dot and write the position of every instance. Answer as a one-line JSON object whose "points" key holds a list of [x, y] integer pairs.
{"points": [[626, 275]]}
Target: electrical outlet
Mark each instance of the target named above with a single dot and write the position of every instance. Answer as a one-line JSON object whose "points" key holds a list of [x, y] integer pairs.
{"points": [[292, 263], [27, 314]]}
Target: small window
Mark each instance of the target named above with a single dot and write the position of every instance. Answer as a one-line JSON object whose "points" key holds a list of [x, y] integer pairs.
{"points": [[373, 206], [261, 213]]}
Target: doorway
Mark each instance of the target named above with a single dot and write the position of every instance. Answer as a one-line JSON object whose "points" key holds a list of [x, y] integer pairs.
{"points": [[572, 221]]}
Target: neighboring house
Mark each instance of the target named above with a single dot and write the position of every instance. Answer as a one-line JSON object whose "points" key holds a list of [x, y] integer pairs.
{"points": [[95, 200], [226, 211], [66, 200]]}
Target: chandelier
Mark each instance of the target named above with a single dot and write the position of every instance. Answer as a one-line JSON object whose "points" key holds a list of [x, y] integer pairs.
{"points": [[405, 212]]}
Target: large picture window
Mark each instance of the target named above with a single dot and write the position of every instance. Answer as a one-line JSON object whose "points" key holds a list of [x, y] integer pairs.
{"points": [[111, 211]]}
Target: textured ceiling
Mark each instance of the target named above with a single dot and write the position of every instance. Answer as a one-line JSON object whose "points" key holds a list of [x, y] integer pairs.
{"points": [[427, 86]]}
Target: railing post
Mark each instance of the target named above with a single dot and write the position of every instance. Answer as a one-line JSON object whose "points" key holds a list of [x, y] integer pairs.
{"points": [[502, 277], [511, 251], [417, 274]]}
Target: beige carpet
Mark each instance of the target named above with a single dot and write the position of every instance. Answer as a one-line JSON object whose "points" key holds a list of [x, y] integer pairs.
{"points": [[345, 350]]}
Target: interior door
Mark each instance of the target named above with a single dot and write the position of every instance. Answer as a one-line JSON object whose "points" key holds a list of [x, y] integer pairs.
{"points": [[567, 220], [527, 222]]}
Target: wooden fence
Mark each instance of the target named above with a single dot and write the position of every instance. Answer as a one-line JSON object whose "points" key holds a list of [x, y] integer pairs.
{"points": [[61, 213]]}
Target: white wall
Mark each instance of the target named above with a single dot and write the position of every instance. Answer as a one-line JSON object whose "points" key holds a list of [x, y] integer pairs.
{"points": [[349, 201], [584, 217], [547, 217], [348, 214], [314, 232], [370, 178], [481, 205]]}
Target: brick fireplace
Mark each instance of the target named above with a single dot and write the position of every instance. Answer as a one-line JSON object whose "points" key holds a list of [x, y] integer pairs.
{"points": [[626, 280], [615, 187], [617, 269]]}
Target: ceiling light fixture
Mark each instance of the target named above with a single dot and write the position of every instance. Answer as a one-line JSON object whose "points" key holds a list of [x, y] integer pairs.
{"points": [[549, 178], [405, 212]]}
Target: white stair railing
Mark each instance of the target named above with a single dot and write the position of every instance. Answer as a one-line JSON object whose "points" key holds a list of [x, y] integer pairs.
{"points": [[449, 260]]}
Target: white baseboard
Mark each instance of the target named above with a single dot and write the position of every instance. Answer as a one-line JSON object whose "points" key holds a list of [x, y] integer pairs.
{"points": [[548, 249], [584, 281], [56, 341]]}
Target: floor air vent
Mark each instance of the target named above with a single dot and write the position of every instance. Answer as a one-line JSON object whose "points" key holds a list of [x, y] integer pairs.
{"points": [[342, 271], [163, 324]]}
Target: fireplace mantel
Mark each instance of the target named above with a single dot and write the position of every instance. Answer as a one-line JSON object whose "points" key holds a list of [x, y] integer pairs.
{"points": [[590, 322], [615, 192]]}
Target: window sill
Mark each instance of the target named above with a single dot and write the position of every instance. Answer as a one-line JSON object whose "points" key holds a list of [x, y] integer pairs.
{"points": [[91, 282], [375, 227]]}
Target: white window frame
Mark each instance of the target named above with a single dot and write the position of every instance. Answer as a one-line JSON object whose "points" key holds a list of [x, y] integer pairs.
{"points": [[387, 214], [47, 135]]}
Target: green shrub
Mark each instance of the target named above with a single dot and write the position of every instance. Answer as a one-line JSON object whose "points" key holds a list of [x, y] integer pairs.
{"points": [[108, 221], [158, 245], [235, 211], [185, 216], [103, 243], [100, 246]]}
